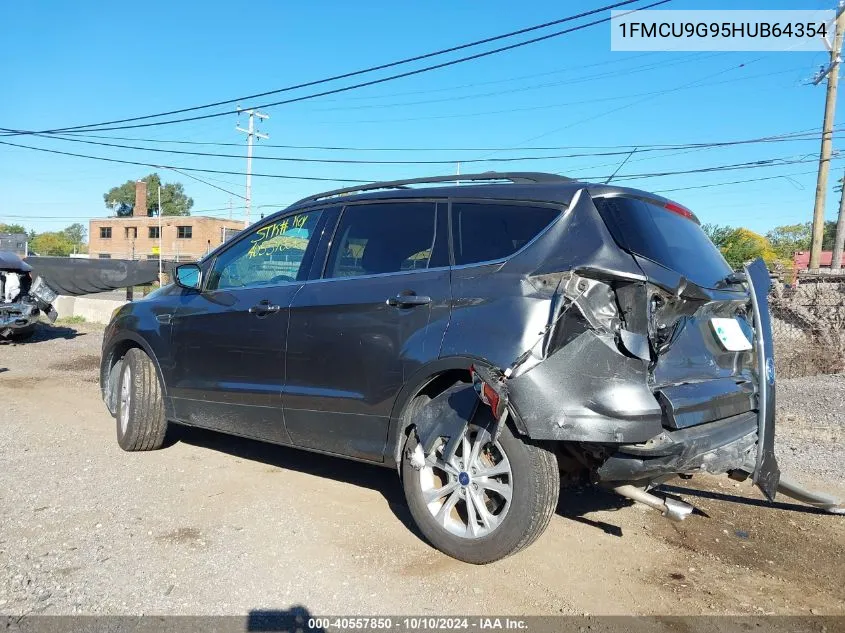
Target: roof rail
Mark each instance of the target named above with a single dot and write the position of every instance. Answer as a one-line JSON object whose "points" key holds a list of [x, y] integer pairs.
{"points": [[512, 176]]}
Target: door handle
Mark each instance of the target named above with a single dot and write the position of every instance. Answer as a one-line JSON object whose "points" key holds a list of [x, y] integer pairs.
{"points": [[403, 300], [264, 308]]}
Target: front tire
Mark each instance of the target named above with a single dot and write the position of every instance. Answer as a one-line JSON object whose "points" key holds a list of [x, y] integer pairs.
{"points": [[141, 425], [492, 500]]}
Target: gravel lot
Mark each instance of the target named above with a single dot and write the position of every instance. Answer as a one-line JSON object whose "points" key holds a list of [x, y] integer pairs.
{"points": [[219, 525], [811, 426]]}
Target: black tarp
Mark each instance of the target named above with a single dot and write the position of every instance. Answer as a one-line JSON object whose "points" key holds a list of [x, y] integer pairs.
{"points": [[76, 276]]}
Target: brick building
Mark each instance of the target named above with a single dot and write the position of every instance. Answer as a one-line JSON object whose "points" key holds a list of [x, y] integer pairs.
{"points": [[183, 238], [14, 242]]}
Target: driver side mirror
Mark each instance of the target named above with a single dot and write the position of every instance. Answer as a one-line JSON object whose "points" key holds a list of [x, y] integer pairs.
{"points": [[189, 276]]}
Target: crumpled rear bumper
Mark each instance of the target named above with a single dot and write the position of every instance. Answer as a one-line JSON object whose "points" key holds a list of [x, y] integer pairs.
{"points": [[716, 447]]}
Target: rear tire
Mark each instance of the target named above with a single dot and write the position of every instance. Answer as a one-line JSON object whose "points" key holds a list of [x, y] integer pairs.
{"points": [[534, 484], [141, 425]]}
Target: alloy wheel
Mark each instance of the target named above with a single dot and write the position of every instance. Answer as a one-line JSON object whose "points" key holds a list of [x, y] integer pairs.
{"points": [[470, 493]]}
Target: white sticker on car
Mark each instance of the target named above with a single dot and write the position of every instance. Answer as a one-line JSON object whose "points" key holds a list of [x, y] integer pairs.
{"points": [[730, 334]]}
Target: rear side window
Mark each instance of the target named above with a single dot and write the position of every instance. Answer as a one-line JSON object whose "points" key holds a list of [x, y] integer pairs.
{"points": [[665, 237], [383, 238], [484, 231]]}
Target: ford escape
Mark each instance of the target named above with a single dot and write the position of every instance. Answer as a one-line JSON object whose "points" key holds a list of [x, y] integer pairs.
{"points": [[482, 338]]}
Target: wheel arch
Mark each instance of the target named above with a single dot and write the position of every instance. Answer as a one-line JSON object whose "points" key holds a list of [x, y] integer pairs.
{"points": [[110, 366], [431, 379]]}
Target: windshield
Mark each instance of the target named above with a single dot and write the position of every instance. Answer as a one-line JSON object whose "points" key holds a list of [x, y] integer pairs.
{"points": [[665, 237]]}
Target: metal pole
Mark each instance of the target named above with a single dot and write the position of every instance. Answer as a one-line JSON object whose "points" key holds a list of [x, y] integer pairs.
{"points": [[839, 240], [827, 142], [249, 168], [250, 135], [160, 251]]}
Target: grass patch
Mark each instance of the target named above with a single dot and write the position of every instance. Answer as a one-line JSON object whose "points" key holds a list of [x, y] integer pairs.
{"points": [[71, 320]]}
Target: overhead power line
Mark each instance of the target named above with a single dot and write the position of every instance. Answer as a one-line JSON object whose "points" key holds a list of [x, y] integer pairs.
{"points": [[795, 136], [205, 182], [737, 182], [162, 166], [771, 162], [810, 134], [553, 84], [103, 126], [650, 96], [503, 80], [548, 106]]}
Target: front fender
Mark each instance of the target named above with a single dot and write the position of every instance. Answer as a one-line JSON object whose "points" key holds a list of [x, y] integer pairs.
{"points": [[113, 351]]}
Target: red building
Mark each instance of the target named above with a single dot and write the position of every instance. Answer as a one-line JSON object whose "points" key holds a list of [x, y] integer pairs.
{"points": [[801, 260]]}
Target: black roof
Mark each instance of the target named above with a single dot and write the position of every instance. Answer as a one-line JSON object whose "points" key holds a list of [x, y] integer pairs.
{"points": [[527, 186]]}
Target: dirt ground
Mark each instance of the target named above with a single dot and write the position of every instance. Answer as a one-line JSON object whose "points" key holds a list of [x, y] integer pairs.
{"points": [[220, 525]]}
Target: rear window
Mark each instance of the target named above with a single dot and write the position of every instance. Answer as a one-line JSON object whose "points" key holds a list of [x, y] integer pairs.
{"points": [[665, 237], [484, 231]]}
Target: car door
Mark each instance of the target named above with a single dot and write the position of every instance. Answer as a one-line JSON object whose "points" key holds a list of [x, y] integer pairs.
{"points": [[378, 312], [229, 338]]}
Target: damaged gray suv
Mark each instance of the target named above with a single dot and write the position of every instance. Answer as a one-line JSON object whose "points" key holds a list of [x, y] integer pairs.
{"points": [[481, 337]]}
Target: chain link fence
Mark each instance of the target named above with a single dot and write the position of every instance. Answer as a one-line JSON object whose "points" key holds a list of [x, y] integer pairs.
{"points": [[808, 325]]}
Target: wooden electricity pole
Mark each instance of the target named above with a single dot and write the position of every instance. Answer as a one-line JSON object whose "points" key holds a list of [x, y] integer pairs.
{"points": [[839, 240], [832, 73]]}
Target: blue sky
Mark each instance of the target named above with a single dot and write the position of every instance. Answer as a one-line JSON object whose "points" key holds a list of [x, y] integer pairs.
{"points": [[77, 63]]}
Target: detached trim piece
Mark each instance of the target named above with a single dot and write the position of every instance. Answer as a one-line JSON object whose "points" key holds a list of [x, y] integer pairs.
{"points": [[447, 415], [766, 472]]}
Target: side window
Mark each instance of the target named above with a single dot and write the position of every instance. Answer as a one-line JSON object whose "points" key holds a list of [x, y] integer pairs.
{"points": [[271, 254], [384, 238], [486, 231]]}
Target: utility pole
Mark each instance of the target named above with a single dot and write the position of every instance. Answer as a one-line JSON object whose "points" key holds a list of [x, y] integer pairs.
{"points": [[251, 133], [839, 240], [832, 73], [160, 252]]}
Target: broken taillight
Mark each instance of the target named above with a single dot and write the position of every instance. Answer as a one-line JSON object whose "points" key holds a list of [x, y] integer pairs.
{"points": [[490, 389]]}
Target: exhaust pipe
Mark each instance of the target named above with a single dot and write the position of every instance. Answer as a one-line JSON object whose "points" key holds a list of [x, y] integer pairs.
{"points": [[671, 509], [792, 489]]}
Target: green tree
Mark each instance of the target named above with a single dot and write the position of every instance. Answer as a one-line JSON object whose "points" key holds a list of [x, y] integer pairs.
{"points": [[787, 239], [797, 237], [742, 245], [12, 228], [829, 235], [717, 233], [174, 201], [54, 243], [76, 233]]}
